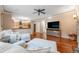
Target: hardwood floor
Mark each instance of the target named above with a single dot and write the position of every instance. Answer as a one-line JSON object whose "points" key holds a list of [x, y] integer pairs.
{"points": [[36, 35], [64, 45]]}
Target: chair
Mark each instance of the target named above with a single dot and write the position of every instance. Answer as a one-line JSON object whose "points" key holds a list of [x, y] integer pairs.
{"points": [[25, 37], [13, 38], [5, 39]]}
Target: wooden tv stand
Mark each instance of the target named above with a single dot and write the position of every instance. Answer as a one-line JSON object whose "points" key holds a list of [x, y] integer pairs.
{"points": [[54, 32]]}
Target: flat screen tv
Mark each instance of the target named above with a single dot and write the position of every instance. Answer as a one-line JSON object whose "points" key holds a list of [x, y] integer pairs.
{"points": [[54, 25]]}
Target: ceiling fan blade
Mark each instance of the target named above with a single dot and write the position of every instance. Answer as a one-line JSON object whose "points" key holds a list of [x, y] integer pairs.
{"points": [[42, 9], [43, 12], [35, 9]]}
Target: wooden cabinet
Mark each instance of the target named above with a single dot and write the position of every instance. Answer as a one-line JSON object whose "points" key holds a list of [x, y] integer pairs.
{"points": [[16, 25], [22, 24], [6, 21], [26, 24], [54, 32]]}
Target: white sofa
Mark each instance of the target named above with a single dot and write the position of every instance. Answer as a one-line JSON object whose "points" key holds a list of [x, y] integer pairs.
{"points": [[10, 48], [20, 43], [25, 37], [37, 43], [13, 37], [34, 46]]}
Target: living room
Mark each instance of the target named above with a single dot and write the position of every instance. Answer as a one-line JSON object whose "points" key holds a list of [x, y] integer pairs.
{"points": [[35, 20]]}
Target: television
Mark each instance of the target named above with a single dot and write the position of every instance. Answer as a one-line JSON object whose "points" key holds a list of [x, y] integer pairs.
{"points": [[53, 25]]}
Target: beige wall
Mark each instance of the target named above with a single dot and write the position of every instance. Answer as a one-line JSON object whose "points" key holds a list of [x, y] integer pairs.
{"points": [[68, 23]]}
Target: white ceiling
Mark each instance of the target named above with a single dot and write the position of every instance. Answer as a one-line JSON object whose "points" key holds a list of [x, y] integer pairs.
{"points": [[27, 10]]}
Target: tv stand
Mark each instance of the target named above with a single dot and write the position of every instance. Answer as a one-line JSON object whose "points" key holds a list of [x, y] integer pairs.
{"points": [[55, 29], [54, 32]]}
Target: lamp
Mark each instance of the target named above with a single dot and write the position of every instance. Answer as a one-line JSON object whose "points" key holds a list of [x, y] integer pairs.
{"points": [[75, 16]]}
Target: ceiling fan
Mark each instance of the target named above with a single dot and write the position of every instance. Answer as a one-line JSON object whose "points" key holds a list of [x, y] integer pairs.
{"points": [[39, 11]]}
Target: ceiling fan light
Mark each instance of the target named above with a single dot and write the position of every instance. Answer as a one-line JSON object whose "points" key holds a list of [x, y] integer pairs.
{"points": [[49, 17]]}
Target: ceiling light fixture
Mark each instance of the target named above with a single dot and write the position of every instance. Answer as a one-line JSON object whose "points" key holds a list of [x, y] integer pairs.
{"points": [[49, 17]]}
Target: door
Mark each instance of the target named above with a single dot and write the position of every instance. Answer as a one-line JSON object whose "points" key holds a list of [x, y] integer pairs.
{"points": [[34, 28]]}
